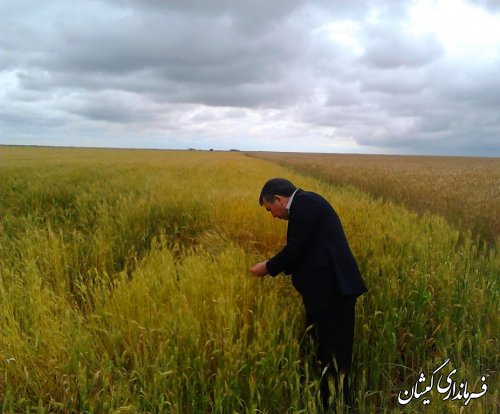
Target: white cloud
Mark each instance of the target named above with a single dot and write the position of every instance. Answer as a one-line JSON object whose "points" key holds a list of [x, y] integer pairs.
{"points": [[465, 30]]}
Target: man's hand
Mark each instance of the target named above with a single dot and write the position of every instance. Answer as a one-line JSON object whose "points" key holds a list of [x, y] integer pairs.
{"points": [[260, 269]]}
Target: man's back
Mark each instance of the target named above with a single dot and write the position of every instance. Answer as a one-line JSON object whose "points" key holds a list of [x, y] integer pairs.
{"points": [[317, 254]]}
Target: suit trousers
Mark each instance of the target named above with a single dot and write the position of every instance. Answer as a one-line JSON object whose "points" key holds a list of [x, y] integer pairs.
{"points": [[333, 334]]}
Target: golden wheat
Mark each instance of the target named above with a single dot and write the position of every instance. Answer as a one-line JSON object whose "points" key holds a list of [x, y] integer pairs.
{"points": [[125, 288], [465, 191]]}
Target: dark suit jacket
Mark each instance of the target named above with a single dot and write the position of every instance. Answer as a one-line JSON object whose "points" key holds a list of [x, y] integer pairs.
{"points": [[317, 254]]}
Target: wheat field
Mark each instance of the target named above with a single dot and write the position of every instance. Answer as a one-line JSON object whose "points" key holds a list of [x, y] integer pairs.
{"points": [[124, 288], [463, 190]]}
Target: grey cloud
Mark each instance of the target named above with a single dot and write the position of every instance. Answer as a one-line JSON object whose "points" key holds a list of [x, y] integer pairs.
{"points": [[343, 95], [35, 80], [180, 68], [412, 122], [392, 48], [469, 85], [401, 81], [179, 56], [434, 122], [248, 95], [492, 5], [111, 109], [249, 17]]}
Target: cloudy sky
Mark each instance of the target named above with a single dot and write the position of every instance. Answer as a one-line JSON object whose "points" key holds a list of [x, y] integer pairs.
{"points": [[363, 76]]}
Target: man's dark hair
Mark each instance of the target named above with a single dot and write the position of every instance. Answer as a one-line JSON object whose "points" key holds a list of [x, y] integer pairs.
{"points": [[276, 186]]}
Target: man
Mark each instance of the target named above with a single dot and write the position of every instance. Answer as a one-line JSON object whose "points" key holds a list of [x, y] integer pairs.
{"points": [[324, 271]]}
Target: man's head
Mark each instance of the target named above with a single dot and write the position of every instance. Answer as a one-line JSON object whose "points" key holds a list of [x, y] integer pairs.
{"points": [[274, 196]]}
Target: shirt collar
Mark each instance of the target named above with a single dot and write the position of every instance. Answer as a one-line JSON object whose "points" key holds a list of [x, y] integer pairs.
{"points": [[290, 200]]}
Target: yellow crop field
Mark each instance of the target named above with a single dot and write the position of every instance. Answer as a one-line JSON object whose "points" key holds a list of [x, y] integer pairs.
{"points": [[124, 287], [464, 190]]}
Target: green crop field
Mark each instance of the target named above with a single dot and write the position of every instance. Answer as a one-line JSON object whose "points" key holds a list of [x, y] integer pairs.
{"points": [[124, 287]]}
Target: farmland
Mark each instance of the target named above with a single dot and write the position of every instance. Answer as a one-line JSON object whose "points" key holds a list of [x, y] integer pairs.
{"points": [[125, 287], [465, 191]]}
